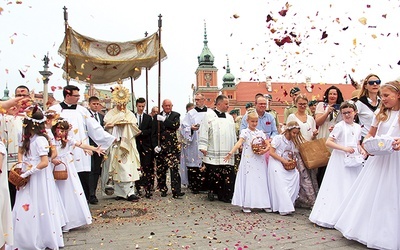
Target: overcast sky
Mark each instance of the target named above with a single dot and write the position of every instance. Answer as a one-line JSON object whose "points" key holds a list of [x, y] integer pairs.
{"points": [[362, 38]]}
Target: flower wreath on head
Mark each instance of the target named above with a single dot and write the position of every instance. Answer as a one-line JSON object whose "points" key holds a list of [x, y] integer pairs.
{"points": [[29, 111], [120, 94], [292, 127], [52, 114], [60, 120]]}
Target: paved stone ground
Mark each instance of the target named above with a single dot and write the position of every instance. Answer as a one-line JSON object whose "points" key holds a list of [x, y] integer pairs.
{"points": [[193, 222]]}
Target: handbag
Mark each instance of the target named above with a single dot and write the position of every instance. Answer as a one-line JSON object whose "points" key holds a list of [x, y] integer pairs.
{"points": [[353, 160], [315, 153], [381, 144]]}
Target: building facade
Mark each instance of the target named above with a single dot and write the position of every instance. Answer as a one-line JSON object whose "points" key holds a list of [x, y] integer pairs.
{"points": [[241, 92]]}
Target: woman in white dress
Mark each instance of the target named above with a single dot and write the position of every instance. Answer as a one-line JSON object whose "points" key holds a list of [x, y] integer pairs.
{"points": [[283, 184], [368, 102], [308, 177], [370, 213], [6, 233], [251, 184], [71, 190], [345, 141], [36, 219]]}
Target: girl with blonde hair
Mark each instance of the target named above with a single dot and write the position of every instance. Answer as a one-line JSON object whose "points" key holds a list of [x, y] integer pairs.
{"points": [[251, 184], [370, 211], [284, 184]]}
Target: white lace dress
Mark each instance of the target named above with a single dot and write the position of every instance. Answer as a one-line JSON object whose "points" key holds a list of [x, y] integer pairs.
{"points": [[71, 190], [37, 212], [251, 185], [338, 179], [6, 233], [370, 212], [284, 185]]}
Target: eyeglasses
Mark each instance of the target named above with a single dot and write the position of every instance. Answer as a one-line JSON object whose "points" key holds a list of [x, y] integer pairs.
{"points": [[302, 104], [347, 113], [19, 95], [95, 103], [375, 81], [76, 95]]}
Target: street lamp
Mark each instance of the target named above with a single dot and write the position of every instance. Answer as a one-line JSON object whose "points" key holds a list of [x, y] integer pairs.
{"points": [[46, 74]]}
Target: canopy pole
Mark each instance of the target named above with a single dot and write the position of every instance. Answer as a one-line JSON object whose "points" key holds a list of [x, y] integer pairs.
{"points": [[132, 97], [66, 43], [159, 73], [147, 90], [147, 83]]}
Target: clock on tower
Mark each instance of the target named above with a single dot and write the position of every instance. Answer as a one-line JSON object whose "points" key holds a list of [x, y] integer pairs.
{"points": [[207, 77]]}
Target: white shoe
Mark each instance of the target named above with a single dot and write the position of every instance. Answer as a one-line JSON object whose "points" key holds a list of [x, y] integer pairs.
{"points": [[284, 213], [268, 210], [246, 210]]}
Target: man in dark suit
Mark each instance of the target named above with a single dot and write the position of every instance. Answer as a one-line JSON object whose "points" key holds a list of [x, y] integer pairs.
{"points": [[143, 145], [96, 161], [166, 147]]}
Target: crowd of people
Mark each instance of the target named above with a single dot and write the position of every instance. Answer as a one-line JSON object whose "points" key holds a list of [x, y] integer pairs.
{"points": [[249, 161]]}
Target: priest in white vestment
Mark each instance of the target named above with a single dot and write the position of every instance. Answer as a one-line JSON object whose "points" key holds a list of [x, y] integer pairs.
{"points": [[124, 165], [191, 156], [216, 138]]}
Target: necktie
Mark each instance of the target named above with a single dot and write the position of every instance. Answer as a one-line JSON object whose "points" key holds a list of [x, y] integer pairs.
{"points": [[96, 117], [140, 120]]}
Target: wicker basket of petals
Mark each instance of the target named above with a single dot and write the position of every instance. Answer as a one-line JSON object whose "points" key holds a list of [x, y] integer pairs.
{"points": [[60, 174], [15, 174], [291, 165], [258, 144]]}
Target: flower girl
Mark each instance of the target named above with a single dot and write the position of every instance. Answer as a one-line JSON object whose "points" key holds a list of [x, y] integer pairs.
{"points": [[251, 185], [37, 220], [71, 190]]}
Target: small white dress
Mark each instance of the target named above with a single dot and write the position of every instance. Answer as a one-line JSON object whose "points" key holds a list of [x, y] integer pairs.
{"points": [[6, 232], [370, 212], [338, 179], [284, 185], [71, 190], [36, 214], [251, 185]]}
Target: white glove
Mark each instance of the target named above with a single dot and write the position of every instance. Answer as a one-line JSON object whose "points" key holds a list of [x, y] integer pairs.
{"points": [[161, 118], [30, 172], [157, 149]]}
